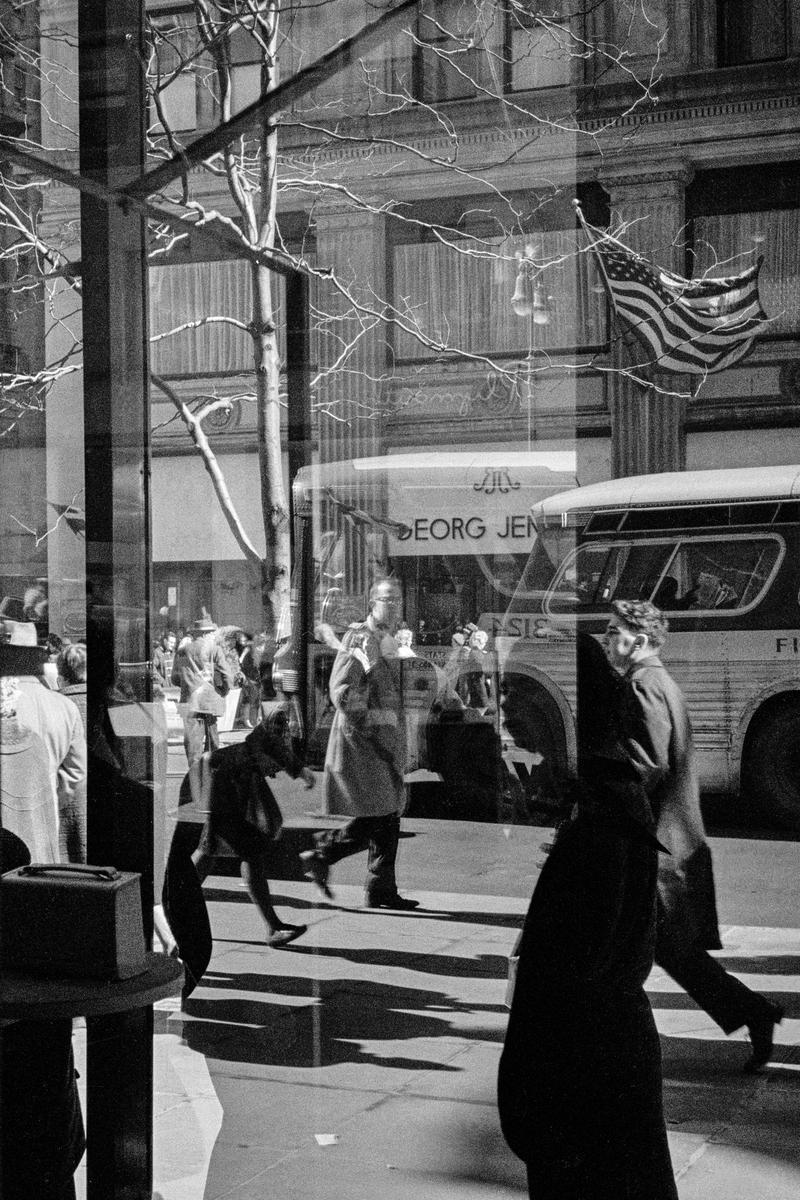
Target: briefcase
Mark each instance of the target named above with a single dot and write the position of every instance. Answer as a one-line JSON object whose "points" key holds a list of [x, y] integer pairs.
{"points": [[71, 921]]}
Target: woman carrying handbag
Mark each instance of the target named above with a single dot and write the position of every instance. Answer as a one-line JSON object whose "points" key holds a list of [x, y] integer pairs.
{"points": [[243, 816]]}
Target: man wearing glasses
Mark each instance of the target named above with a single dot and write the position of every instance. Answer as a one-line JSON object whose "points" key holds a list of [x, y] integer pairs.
{"points": [[366, 756], [663, 752]]}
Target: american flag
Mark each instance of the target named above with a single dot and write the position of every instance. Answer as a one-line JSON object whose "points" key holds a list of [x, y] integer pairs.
{"points": [[687, 327]]}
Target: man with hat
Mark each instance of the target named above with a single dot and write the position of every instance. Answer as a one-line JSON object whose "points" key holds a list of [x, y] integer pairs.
{"points": [[205, 677], [366, 756], [57, 721]]}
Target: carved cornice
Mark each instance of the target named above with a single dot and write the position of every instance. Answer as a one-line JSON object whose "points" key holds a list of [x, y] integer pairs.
{"points": [[336, 217], [645, 176], [478, 129], [697, 112], [742, 412], [438, 430]]}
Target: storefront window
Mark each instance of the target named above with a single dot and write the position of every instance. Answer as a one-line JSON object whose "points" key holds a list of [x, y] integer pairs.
{"points": [[335, 417]]}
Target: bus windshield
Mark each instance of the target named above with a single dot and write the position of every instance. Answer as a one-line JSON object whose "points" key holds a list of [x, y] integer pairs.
{"points": [[550, 548], [455, 529]]}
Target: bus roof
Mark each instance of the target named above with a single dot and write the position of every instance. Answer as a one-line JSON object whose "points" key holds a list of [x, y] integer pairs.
{"points": [[676, 488], [437, 463]]}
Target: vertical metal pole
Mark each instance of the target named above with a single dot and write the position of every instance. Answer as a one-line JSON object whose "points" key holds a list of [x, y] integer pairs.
{"points": [[298, 385], [298, 369], [118, 573], [531, 331]]}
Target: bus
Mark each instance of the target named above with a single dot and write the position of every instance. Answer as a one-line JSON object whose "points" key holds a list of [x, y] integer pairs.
{"points": [[455, 529], [718, 551]]}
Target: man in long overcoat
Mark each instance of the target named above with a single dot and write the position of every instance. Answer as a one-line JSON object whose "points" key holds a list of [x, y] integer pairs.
{"points": [[663, 752], [366, 756]]}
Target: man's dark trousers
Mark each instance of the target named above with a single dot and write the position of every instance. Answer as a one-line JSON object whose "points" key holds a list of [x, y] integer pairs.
{"points": [[380, 837], [724, 997]]}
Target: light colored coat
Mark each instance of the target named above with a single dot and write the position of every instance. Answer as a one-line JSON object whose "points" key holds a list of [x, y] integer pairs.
{"points": [[365, 760], [58, 723], [663, 753], [197, 662]]}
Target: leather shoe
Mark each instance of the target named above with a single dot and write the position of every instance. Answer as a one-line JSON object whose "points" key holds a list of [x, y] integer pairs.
{"points": [[284, 934], [401, 903], [316, 869], [762, 1033]]}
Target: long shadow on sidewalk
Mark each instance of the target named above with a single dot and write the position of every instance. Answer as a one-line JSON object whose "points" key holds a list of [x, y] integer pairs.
{"points": [[483, 966], [790, 1001], [238, 895], [328, 1029]]}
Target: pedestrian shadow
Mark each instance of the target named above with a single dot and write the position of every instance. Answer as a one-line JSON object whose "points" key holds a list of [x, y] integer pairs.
{"points": [[237, 895], [233, 895], [494, 920], [768, 964], [678, 1001], [330, 1028], [716, 1065], [482, 966]]}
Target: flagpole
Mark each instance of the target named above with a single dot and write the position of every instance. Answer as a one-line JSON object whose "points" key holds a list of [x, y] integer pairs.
{"points": [[623, 334], [576, 204]]}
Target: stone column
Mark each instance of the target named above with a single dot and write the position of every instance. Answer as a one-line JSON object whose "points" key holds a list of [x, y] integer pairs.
{"points": [[349, 400], [648, 423]]}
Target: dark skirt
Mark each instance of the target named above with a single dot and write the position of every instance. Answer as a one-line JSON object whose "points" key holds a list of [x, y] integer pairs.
{"points": [[42, 1137], [581, 1099]]}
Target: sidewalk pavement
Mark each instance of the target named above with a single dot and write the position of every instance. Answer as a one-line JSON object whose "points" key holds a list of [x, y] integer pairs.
{"points": [[361, 1060]]}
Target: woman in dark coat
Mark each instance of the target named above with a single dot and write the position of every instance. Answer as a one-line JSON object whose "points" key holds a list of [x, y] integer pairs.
{"points": [[580, 1089], [231, 783], [245, 816]]}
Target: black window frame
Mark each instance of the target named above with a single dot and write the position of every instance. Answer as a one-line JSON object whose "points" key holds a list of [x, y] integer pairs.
{"points": [[516, 14], [730, 54]]}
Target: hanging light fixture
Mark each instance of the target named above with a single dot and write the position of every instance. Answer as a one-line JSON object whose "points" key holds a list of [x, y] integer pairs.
{"points": [[523, 299], [540, 305]]}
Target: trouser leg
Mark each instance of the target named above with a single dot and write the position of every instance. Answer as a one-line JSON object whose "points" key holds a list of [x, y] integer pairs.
{"points": [[194, 735], [211, 739], [384, 839], [254, 877], [353, 837], [728, 1002]]}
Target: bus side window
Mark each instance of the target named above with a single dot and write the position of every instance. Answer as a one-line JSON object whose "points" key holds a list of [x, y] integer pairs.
{"points": [[667, 593], [724, 574], [598, 574], [642, 568]]}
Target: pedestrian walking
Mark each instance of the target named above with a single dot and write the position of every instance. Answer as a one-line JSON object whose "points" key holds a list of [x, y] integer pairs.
{"points": [[202, 671], [580, 1081], [249, 680], [57, 721], [366, 755], [244, 815], [72, 676], [163, 654], [662, 750]]}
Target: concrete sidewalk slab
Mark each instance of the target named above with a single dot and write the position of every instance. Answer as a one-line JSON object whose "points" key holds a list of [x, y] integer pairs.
{"points": [[385, 1029]]}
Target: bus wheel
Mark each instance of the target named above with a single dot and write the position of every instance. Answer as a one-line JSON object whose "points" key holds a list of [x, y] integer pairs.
{"points": [[771, 767]]}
